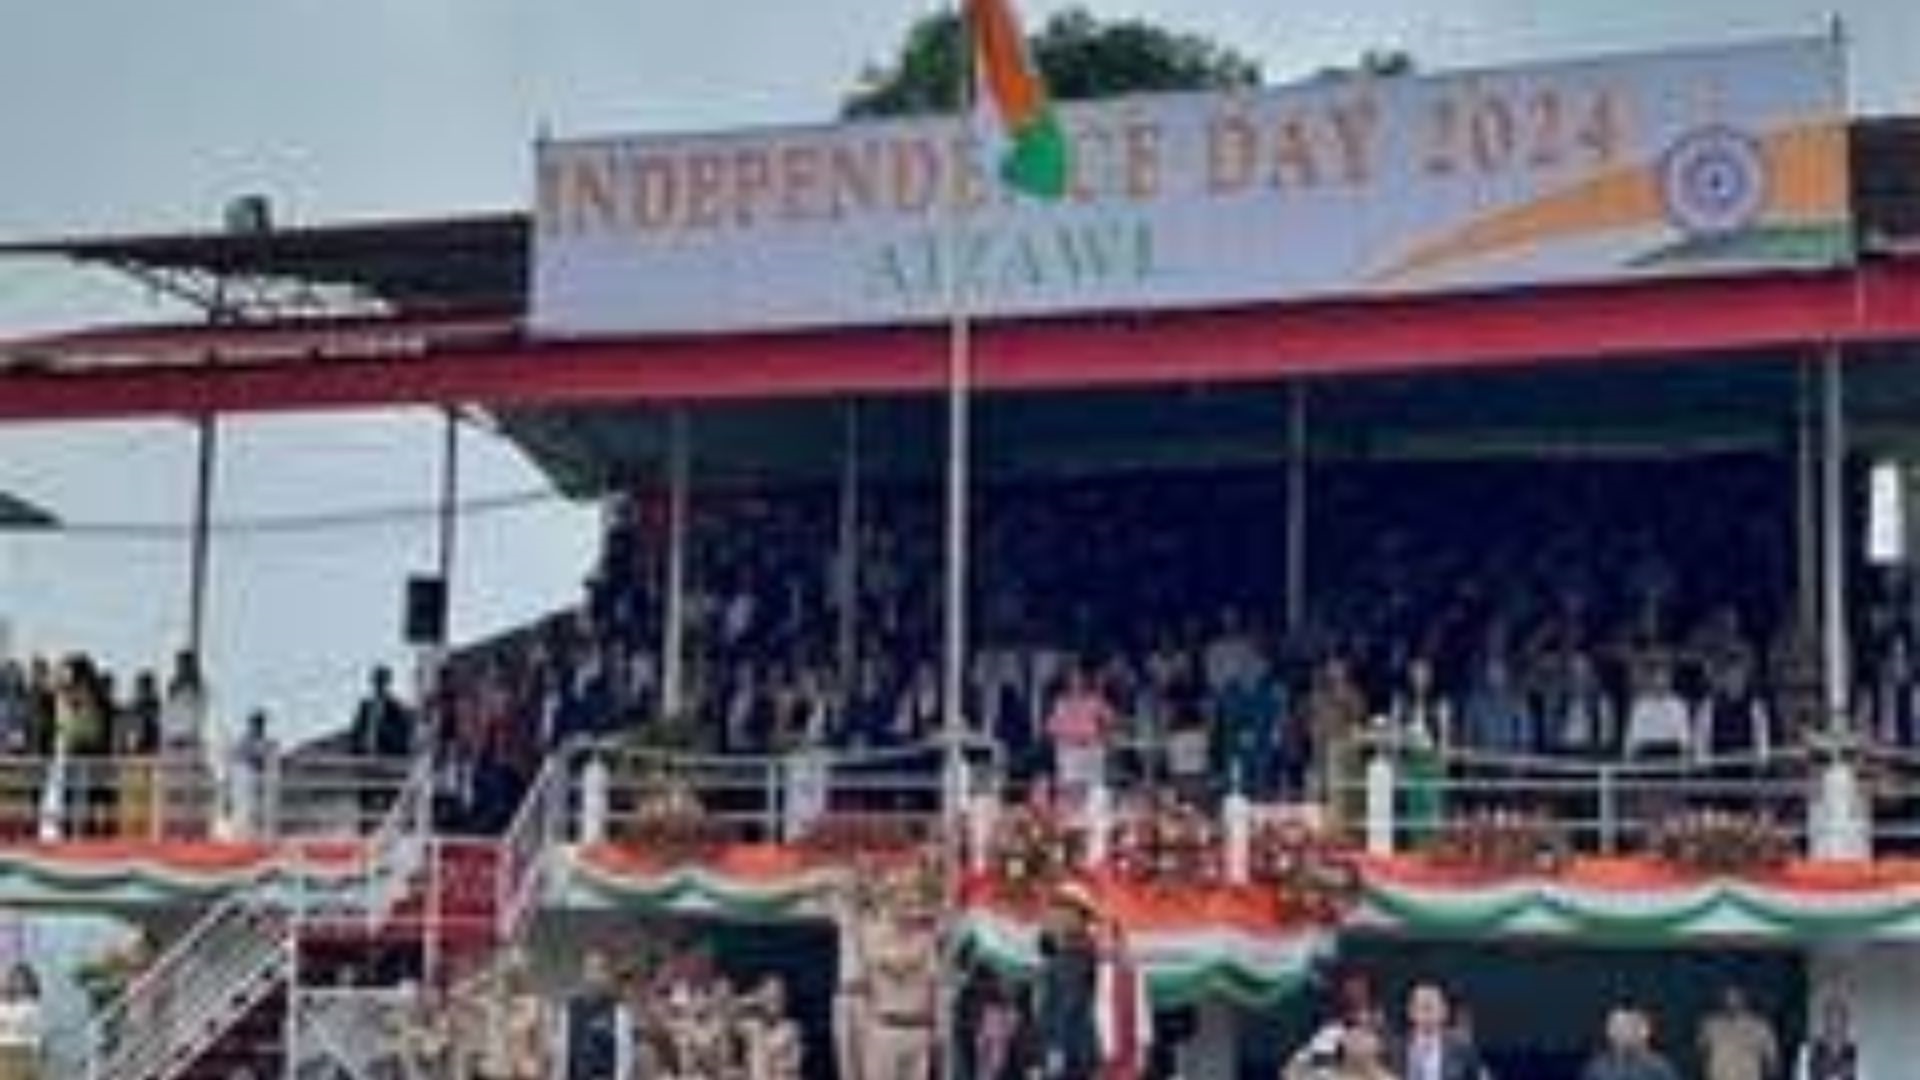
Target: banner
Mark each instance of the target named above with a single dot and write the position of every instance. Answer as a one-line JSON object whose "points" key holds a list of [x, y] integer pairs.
{"points": [[1691, 162]]}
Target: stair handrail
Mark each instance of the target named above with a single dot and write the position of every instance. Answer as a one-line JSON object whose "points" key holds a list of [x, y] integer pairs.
{"points": [[321, 1029], [397, 849], [528, 847], [174, 968]]}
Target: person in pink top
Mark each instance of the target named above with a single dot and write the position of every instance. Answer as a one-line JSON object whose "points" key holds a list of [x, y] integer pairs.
{"points": [[1079, 726]]}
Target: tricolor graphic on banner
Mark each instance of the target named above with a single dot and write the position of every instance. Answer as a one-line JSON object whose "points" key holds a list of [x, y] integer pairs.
{"points": [[1037, 161]]}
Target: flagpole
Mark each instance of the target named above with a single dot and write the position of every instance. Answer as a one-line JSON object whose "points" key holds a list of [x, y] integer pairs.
{"points": [[959, 448]]}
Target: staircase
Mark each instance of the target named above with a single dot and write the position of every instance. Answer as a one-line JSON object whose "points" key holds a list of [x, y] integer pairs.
{"points": [[212, 1000], [237, 957]]}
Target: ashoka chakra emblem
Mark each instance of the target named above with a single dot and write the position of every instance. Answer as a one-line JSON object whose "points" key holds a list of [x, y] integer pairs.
{"points": [[1714, 181]]}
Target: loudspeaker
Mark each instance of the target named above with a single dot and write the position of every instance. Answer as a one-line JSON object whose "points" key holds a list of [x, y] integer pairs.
{"points": [[425, 620]]}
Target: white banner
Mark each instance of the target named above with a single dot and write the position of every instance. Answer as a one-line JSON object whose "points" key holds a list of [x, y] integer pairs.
{"points": [[1688, 162]]}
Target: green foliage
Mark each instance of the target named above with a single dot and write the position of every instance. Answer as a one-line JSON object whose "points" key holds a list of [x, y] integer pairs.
{"points": [[1080, 57]]}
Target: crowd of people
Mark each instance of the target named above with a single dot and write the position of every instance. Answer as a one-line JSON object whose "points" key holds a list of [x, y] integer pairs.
{"points": [[683, 1021], [1124, 626], [1437, 1042], [1584, 612]]}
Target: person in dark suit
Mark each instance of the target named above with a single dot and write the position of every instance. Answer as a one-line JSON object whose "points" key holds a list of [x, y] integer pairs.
{"points": [[1432, 1049], [1069, 974]]}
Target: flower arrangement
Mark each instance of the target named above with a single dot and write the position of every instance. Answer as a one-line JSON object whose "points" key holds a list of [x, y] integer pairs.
{"points": [[1167, 843], [1312, 878], [841, 836], [1503, 841], [670, 822], [1712, 841], [1032, 850]]}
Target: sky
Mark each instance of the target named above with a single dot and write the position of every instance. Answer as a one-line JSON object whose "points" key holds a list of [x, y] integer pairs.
{"points": [[136, 115]]}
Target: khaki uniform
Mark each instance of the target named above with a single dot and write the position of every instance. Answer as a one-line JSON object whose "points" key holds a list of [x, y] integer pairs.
{"points": [[902, 974], [1739, 1047]]}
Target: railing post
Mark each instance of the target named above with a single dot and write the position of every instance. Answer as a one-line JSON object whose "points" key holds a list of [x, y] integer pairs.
{"points": [[1099, 824], [1237, 832], [983, 811], [290, 1024], [1608, 816], [1839, 820], [1382, 789], [593, 800], [53, 797]]}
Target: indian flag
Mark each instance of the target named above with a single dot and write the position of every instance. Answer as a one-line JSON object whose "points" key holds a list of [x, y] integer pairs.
{"points": [[1037, 160]]}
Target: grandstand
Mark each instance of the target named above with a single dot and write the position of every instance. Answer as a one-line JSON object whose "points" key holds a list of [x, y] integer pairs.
{"points": [[1312, 632]]}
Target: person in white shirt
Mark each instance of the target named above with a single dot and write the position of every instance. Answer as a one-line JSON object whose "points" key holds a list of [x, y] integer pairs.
{"points": [[22, 1026], [1659, 724]]}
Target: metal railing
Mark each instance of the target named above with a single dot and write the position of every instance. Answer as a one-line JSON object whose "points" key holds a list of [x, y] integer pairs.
{"points": [[176, 798], [387, 867], [247, 947], [1596, 807], [232, 960], [525, 865], [356, 1033], [768, 799]]}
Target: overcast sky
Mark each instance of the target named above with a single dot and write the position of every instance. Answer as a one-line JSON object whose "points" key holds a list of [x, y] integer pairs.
{"points": [[138, 115]]}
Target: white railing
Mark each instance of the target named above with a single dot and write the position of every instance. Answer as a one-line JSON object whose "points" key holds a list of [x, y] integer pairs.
{"points": [[525, 863], [386, 866], [234, 958], [245, 948], [179, 797], [770, 798], [352, 1033]]}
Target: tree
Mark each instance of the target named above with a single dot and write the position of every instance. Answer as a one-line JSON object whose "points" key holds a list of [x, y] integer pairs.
{"points": [[1080, 56]]}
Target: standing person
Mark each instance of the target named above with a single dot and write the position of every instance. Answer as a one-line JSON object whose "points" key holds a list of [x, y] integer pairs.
{"points": [[1336, 711], [997, 1032], [253, 776], [852, 999], [1355, 1052], [1433, 1050], [1629, 1053], [383, 738], [515, 1039], [772, 1046], [19, 785], [1079, 725], [1422, 718], [1126, 1016], [183, 738], [1068, 987], [596, 1028], [1831, 1054], [22, 1026], [137, 745], [904, 982], [1737, 1043]]}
